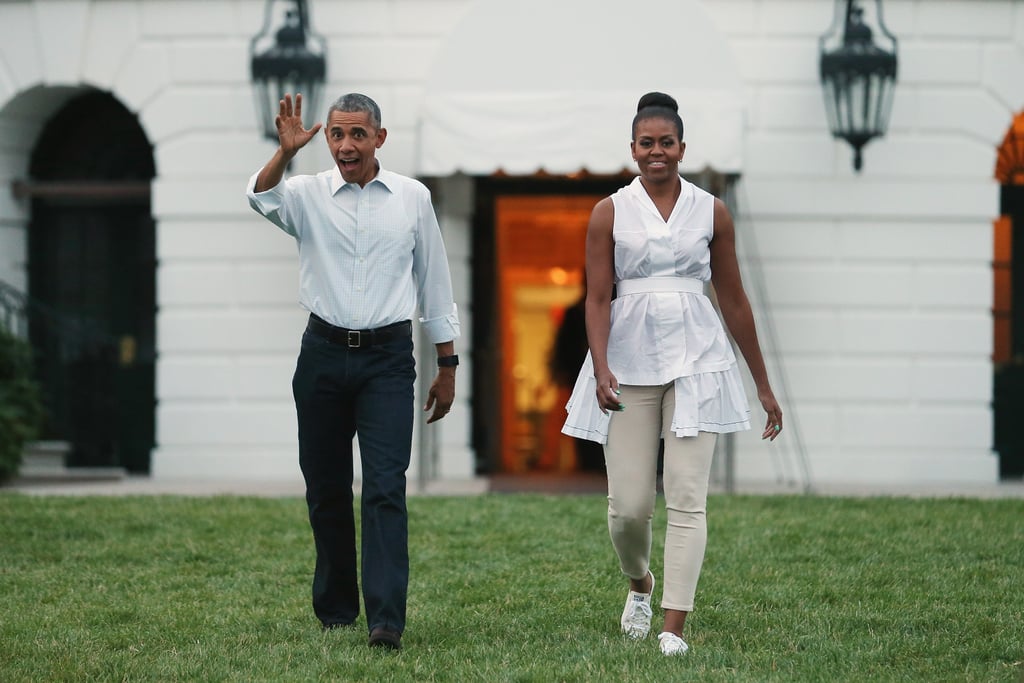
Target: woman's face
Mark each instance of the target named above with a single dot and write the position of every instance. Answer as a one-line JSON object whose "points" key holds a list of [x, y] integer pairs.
{"points": [[657, 149]]}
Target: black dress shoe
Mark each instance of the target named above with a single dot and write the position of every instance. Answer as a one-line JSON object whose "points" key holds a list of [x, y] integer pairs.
{"points": [[389, 640]]}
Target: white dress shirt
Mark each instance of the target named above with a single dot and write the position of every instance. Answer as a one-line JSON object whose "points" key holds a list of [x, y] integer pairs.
{"points": [[659, 336], [368, 256]]}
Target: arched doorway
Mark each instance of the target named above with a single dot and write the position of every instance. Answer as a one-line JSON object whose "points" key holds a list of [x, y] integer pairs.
{"points": [[91, 275], [1008, 304]]}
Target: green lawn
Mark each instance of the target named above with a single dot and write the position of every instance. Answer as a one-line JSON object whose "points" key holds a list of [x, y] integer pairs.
{"points": [[512, 588]]}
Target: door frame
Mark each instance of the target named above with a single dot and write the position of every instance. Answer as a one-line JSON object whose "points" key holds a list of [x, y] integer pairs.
{"points": [[488, 352]]}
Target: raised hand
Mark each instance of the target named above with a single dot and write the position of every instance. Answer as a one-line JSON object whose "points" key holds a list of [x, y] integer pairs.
{"points": [[291, 134]]}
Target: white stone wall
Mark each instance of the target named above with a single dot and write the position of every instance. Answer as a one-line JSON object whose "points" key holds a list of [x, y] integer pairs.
{"points": [[878, 285]]}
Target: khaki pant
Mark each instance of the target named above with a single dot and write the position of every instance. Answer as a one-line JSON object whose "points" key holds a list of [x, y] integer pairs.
{"points": [[631, 456]]}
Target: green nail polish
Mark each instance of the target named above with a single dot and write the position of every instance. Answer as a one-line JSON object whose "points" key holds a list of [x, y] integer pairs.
{"points": [[622, 406]]}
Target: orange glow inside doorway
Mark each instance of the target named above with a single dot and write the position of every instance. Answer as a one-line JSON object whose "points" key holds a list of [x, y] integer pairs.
{"points": [[540, 257]]}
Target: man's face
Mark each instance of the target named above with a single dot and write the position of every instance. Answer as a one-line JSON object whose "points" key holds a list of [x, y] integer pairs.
{"points": [[354, 142]]}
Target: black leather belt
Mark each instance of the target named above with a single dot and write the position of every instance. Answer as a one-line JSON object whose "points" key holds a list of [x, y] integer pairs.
{"points": [[358, 339]]}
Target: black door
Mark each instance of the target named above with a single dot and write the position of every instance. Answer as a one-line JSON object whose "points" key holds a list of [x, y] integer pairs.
{"points": [[92, 273], [1008, 386]]}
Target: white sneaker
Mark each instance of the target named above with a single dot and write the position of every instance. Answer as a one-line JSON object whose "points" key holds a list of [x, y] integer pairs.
{"points": [[636, 616], [671, 644]]}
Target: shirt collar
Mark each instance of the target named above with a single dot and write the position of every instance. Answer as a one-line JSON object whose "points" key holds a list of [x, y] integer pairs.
{"points": [[384, 177], [637, 188], [685, 194]]}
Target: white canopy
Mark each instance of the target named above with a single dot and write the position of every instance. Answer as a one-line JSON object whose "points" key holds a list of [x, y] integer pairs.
{"points": [[552, 85]]}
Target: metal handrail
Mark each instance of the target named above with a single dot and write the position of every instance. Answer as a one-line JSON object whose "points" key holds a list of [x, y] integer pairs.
{"points": [[76, 333], [13, 310]]}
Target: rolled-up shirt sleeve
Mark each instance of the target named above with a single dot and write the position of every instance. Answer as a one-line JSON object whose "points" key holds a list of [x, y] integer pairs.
{"points": [[440, 317], [270, 204]]}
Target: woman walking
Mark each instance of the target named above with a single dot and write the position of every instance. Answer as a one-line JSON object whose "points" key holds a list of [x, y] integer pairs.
{"points": [[660, 364]]}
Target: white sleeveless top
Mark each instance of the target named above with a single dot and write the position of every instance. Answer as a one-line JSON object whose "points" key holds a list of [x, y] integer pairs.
{"points": [[663, 328]]}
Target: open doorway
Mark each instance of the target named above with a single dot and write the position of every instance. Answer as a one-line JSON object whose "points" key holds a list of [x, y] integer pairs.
{"points": [[529, 338], [529, 240], [540, 242]]}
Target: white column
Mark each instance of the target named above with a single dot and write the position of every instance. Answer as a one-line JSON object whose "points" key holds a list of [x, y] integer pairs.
{"points": [[454, 457]]}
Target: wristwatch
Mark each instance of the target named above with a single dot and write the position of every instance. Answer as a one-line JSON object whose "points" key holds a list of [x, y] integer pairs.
{"points": [[448, 361]]}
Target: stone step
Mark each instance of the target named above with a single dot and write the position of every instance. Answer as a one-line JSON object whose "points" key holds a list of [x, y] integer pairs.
{"points": [[70, 474], [44, 455], [44, 461]]}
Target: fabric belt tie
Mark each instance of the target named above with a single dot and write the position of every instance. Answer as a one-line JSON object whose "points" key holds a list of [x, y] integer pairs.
{"points": [[651, 285], [358, 339]]}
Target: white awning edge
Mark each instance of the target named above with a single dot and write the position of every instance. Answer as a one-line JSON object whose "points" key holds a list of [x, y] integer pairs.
{"points": [[524, 132]]}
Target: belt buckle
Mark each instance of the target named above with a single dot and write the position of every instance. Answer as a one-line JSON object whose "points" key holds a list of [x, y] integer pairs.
{"points": [[355, 339]]}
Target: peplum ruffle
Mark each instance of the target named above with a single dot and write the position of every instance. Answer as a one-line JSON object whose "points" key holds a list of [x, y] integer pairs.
{"points": [[704, 402]]}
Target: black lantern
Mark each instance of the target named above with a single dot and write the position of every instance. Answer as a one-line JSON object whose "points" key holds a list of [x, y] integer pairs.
{"points": [[287, 57], [858, 76]]}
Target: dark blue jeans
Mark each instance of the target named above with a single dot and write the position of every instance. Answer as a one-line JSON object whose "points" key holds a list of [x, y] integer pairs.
{"points": [[339, 393]]}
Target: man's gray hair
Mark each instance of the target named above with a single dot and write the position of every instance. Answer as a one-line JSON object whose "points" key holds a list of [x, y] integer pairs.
{"points": [[355, 102]]}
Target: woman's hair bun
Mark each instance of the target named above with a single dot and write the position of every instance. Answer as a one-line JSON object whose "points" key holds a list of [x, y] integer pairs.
{"points": [[657, 99]]}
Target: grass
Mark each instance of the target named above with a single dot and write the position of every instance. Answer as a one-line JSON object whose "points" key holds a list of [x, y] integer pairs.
{"points": [[512, 588]]}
